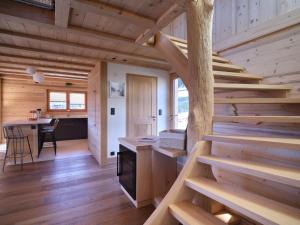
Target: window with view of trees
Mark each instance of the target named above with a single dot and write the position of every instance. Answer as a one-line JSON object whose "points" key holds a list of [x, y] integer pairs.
{"points": [[66, 101], [182, 105]]}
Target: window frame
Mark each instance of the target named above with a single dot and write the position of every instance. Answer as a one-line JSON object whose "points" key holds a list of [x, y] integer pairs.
{"points": [[67, 101]]}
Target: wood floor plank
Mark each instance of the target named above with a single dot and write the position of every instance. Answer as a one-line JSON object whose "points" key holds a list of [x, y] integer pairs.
{"points": [[66, 191]]}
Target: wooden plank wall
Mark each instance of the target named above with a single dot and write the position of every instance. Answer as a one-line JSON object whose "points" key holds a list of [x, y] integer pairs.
{"points": [[97, 112], [19, 97]]}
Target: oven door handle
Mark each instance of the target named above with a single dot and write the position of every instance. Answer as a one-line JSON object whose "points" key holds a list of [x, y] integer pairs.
{"points": [[119, 173]]}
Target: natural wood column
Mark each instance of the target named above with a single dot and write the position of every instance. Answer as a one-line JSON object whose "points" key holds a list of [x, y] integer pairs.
{"points": [[200, 85]]}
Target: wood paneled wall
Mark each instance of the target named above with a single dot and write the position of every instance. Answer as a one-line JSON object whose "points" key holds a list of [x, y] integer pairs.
{"points": [[97, 112], [19, 97]]}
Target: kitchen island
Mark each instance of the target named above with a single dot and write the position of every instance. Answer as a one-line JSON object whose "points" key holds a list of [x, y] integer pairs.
{"points": [[30, 128], [146, 171]]}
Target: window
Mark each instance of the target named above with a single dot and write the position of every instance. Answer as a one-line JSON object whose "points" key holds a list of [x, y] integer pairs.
{"points": [[181, 104], [77, 101], [66, 101]]}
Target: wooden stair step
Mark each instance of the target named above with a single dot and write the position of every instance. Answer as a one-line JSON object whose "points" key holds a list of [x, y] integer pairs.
{"points": [[257, 101], [189, 214], [215, 58], [257, 119], [227, 67], [236, 76], [252, 87], [220, 59], [279, 174], [290, 143], [261, 209]]}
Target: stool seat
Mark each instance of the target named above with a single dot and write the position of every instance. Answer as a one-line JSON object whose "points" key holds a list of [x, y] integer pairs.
{"points": [[50, 132], [14, 135]]}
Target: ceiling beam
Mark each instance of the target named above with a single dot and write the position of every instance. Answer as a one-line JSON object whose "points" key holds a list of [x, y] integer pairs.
{"points": [[49, 81], [112, 11], [44, 62], [16, 76], [49, 73], [62, 13], [110, 52], [43, 68], [166, 18], [83, 60], [14, 11]]}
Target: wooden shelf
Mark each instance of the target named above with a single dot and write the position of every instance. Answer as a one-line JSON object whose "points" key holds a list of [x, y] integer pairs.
{"points": [[290, 143], [173, 153], [189, 214], [264, 210], [279, 174]]}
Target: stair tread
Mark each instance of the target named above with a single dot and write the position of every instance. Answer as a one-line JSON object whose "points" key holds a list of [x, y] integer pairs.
{"points": [[291, 143], [264, 210], [257, 119], [237, 74], [189, 214], [251, 86], [257, 100], [289, 176], [227, 67]]}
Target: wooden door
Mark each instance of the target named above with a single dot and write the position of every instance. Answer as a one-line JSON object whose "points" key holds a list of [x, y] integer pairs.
{"points": [[141, 105]]}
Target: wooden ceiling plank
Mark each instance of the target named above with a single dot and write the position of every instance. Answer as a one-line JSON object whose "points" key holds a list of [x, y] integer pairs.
{"points": [[90, 63], [42, 68], [76, 30], [10, 69], [10, 76], [167, 17], [51, 41], [62, 12], [112, 11], [46, 62]]}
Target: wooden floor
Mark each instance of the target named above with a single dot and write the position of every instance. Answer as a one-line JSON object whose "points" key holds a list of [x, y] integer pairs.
{"points": [[66, 191]]}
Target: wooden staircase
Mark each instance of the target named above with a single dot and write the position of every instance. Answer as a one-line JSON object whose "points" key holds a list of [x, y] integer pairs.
{"points": [[180, 204]]}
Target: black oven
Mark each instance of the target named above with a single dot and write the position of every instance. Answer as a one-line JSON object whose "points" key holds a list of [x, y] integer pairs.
{"points": [[126, 170]]}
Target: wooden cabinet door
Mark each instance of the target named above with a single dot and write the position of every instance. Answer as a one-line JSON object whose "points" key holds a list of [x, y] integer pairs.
{"points": [[141, 105]]}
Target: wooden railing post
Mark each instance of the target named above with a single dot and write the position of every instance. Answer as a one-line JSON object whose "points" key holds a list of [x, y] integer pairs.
{"points": [[200, 83]]}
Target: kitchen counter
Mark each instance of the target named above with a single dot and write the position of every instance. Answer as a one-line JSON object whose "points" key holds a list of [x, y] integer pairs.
{"points": [[27, 122], [30, 128], [136, 144], [143, 160]]}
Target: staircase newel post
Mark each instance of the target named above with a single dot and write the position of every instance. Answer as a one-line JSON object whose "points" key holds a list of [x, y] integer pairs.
{"points": [[201, 81]]}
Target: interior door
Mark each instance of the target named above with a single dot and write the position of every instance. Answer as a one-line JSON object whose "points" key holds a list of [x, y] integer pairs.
{"points": [[141, 105]]}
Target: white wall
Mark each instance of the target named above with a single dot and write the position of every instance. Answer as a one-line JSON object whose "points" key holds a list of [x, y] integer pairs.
{"points": [[117, 123]]}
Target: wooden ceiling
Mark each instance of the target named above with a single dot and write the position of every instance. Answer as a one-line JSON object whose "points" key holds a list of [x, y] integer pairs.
{"points": [[66, 42]]}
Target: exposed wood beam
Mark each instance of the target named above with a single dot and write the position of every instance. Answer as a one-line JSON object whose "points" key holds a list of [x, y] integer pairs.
{"points": [[23, 76], [44, 62], [42, 68], [49, 81], [48, 22], [112, 11], [62, 13], [58, 74], [167, 17], [112, 53], [83, 60]]}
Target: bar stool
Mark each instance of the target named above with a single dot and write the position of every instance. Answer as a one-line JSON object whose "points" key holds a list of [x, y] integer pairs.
{"points": [[14, 136], [50, 132]]}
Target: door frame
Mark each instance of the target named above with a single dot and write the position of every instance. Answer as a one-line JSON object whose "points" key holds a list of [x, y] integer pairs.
{"points": [[127, 98]]}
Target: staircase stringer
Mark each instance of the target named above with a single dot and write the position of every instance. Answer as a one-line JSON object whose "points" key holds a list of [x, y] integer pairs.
{"points": [[178, 191]]}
